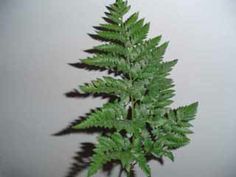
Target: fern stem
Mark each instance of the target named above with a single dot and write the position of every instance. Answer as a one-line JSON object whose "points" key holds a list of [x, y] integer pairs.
{"points": [[121, 171], [130, 172]]}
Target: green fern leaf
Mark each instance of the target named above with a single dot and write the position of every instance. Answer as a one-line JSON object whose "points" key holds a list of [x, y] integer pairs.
{"points": [[144, 49], [115, 37], [108, 148], [131, 20], [142, 162], [114, 49], [187, 113], [140, 118], [109, 116], [108, 85], [114, 63], [138, 34]]}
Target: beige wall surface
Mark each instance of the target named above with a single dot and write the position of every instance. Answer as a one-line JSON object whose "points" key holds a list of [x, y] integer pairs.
{"points": [[39, 37]]}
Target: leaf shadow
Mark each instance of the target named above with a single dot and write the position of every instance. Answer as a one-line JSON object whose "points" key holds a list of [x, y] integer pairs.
{"points": [[87, 67], [83, 156], [69, 129], [82, 160]]}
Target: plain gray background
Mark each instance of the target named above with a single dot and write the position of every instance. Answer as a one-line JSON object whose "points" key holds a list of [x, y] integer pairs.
{"points": [[39, 37]]}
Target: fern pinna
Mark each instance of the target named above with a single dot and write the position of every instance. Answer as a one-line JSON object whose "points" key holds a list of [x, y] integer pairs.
{"points": [[141, 121]]}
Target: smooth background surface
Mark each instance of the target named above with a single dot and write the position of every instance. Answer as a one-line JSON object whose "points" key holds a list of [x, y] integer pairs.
{"points": [[39, 38]]}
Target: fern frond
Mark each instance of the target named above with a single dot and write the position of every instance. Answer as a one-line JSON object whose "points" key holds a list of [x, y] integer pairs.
{"points": [[143, 164], [110, 36], [139, 156], [160, 51], [108, 85], [107, 149], [174, 128], [112, 49], [140, 116], [109, 116], [166, 67], [138, 36], [131, 20], [114, 63], [137, 31], [140, 51], [109, 27], [187, 113], [159, 151], [153, 65], [119, 9]]}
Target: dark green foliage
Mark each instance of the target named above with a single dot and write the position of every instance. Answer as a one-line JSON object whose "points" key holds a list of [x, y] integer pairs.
{"points": [[140, 118]]}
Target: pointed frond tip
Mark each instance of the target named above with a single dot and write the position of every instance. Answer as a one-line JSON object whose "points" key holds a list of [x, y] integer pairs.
{"points": [[188, 112], [162, 49]]}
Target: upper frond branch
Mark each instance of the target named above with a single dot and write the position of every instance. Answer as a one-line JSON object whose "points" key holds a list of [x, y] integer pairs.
{"points": [[108, 85], [109, 62], [110, 115]]}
